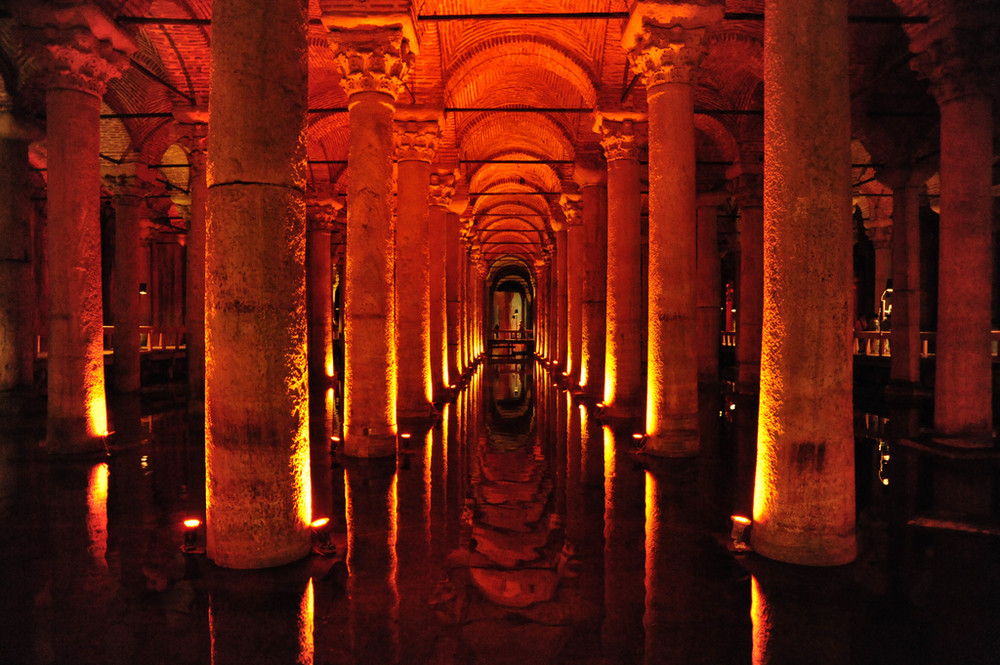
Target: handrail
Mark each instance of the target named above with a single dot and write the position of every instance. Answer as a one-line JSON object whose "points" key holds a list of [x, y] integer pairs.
{"points": [[151, 338]]}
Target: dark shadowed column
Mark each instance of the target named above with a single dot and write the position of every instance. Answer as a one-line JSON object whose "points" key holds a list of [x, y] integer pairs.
{"points": [[256, 378], [750, 199], [321, 216], [709, 287], [804, 486], [442, 188], [575, 257], [592, 179]]}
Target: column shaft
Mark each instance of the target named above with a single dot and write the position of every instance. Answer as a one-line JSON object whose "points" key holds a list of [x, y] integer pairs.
{"points": [[672, 361], [594, 285], [751, 299], [804, 485], [438, 243], [963, 387], [709, 293], [904, 364], [623, 386], [17, 297], [453, 274], [575, 260], [319, 286], [125, 292], [195, 297], [77, 413], [413, 351], [256, 384]]}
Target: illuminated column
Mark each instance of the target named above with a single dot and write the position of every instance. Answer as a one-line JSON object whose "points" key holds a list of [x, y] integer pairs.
{"points": [[127, 189], [562, 320], [951, 57], [904, 363], [575, 257], [320, 218], [594, 227], [416, 138], [623, 385], [80, 49], [256, 380], [709, 293], [193, 131], [441, 192], [374, 64], [17, 297], [804, 484], [454, 274], [750, 199], [554, 334], [667, 59]]}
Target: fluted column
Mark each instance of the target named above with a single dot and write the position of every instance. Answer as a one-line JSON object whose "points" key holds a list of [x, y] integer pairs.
{"points": [[17, 297], [416, 135], [667, 59], [955, 53], [127, 187], [374, 64], [321, 215], [709, 292], [750, 200], [804, 486], [80, 48], [622, 136], [256, 379], [442, 188], [592, 179], [193, 135], [575, 257]]}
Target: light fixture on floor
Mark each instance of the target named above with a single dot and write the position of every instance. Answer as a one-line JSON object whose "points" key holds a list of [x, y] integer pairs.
{"points": [[322, 537], [192, 526], [739, 536]]}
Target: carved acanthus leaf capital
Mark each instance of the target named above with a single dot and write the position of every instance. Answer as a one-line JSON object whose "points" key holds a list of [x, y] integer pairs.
{"points": [[372, 60], [321, 214], [667, 54], [78, 46], [960, 63], [572, 208], [416, 140], [442, 189], [622, 135]]}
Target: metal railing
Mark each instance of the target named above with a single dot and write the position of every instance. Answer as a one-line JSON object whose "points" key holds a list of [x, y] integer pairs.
{"points": [[151, 339]]}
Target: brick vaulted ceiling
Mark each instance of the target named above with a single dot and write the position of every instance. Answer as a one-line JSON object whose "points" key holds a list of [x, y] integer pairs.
{"points": [[494, 65]]}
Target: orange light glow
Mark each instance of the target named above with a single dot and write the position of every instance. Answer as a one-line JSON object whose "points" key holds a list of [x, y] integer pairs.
{"points": [[192, 523], [97, 513], [740, 519], [638, 435], [307, 614], [320, 522], [329, 363], [609, 472], [97, 410], [405, 435]]}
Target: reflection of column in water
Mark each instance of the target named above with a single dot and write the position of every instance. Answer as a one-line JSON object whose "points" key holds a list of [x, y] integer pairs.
{"points": [[413, 545], [371, 560], [262, 617], [621, 634], [797, 620]]}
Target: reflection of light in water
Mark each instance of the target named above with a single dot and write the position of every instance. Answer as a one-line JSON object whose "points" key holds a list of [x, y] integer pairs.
{"points": [[211, 630], [428, 480], [883, 461], [307, 646], [609, 473], [444, 442], [97, 513], [760, 622]]}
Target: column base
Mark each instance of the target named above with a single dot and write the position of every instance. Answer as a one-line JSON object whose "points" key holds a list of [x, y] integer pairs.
{"points": [[803, 547], [970, 441], [619, 414], [420, 416], [358, 442], [69, 437], [244, 555], [906, 392], [674, 443]]}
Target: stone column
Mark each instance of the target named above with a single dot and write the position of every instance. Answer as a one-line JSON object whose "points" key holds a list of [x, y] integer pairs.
{"points": [[592, 179], [441, 192], [80, 48], [804, 487], [256, 379], [321, 215], [667, 58], [904, 336], [374, 64], [454, 276], [126, 184], [193, 135], [17, 292], [955, 58], [750, 200], [416, 135], [562, 305], [575, 258], [623, 386], [709, 291]]}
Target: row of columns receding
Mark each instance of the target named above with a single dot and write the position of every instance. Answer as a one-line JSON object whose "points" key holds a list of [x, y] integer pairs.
{"points": [[253, 242]]}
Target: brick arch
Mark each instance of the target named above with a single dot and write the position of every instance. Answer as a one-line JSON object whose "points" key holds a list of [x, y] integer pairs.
{"points": [[498, 131]]}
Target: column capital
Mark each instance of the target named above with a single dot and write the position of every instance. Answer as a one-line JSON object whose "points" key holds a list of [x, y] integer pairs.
{"points": [[321, 214], [373, 59], [191, 128], [442, 189], [128, 179], [572, 208], [78, 46], [666, 41], [590, 172], [416, 136], [621, 134], [748, 188]]}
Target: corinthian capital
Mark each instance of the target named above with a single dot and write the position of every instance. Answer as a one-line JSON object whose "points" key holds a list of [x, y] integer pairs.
{"points": [[373, 60], [442, 189], [416, 137], [667, 54], [960, 62], [621, 134], [321, 214], [572, 207], [78, 46]]}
